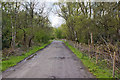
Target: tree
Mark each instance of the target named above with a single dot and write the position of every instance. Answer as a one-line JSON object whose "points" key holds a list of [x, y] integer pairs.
{"points": [[20, 24]]}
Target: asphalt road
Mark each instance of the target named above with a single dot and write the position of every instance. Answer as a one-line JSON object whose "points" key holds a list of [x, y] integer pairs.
{"points": [[55, 61]]}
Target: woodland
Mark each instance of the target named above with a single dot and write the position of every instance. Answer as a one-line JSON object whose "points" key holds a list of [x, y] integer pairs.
{"points": [[92, 27]]}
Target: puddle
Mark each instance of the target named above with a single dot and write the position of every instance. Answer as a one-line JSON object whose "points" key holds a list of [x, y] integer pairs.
{"points": [[52, 78], [59, 57], [81, 67], [31, 57]]}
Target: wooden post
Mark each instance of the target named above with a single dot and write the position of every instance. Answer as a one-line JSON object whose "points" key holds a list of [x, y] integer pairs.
{"points": [[92, 46], [114, 65], [97, 56], [74, 45], [89, 48], [89, 52], [77, 45], [91, 36]]}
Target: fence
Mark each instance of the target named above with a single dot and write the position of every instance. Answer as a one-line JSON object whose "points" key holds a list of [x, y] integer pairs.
{"points": [[101, 53]]}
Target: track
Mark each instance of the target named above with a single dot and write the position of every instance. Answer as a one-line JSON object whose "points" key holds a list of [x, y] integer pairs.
{"points": [[55, 61]]}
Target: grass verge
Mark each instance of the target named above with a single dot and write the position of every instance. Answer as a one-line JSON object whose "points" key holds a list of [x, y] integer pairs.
{"points": [[13, 60], [99, 72]]}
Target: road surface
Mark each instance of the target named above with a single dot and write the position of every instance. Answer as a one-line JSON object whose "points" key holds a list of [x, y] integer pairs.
{"points": [[55, 61]]}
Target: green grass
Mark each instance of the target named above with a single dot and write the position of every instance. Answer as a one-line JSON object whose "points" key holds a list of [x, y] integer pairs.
{"points": [[13, 60], [98, 71]]}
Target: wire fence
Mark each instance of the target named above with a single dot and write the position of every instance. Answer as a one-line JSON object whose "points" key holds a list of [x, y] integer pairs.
{"points": [[103, 55]]}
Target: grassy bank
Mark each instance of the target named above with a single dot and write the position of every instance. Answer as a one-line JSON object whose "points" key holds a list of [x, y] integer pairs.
{"points": [[13, 60], [98, 71]]}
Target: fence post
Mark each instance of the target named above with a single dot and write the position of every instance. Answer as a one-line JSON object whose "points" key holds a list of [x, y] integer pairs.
{"points": [[97, 56], [74, 44], [77, 45], [114, 64], [89, 51]]}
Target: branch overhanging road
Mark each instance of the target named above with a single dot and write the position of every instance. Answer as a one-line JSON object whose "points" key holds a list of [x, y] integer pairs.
{"points": [[56, 60]]}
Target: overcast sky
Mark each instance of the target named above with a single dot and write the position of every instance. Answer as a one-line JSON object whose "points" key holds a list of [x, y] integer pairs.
{"points": [[54, 18]]}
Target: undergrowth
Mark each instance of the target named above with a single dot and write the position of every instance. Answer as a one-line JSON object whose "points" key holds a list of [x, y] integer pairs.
{"points": [[96, 70]]}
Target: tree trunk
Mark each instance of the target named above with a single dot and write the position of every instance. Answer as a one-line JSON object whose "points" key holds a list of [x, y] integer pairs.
{"points": [[30, 41], [91, 36], [24, 38], [13, 34], [90, 8], [13, 38]]}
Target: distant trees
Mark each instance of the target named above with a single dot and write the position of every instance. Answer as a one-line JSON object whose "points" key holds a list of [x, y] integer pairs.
{"points": [[24, 25], [58, 33]]}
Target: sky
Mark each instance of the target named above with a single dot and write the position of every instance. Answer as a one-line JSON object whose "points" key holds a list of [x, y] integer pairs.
{"points": [[55, 20]]}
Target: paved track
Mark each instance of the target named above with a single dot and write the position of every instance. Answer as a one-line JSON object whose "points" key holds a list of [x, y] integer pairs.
{"points": [[55, 61]]}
